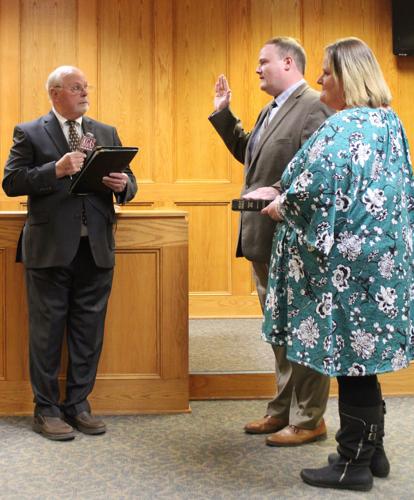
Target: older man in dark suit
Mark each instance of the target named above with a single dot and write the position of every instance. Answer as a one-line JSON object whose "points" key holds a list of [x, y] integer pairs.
{"points": [[67, 247], [295, 416]]}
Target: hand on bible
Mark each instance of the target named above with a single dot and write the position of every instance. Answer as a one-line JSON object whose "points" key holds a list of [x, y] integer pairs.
{"points": [[273, 210], [262, 193]]}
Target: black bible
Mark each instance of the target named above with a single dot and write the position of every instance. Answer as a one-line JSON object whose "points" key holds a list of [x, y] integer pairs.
{"points": [[243, 205]]}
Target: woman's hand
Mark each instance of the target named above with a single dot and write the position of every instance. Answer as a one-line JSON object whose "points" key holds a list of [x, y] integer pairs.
{"points": [[273, 210]]}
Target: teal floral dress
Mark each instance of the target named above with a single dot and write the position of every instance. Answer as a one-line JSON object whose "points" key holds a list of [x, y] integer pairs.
{"points": [[341, 283]]}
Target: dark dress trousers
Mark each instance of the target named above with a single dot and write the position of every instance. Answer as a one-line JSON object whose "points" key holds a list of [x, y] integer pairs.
{"points": [[68, 277]]}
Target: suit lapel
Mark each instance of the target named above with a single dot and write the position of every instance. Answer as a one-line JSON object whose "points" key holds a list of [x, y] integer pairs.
{"points": [[277, 120], [54, 131], [255, 130]]}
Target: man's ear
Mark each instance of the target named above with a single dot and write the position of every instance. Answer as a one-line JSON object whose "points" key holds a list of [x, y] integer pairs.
{"points": [[288, 62], [53, 93]]}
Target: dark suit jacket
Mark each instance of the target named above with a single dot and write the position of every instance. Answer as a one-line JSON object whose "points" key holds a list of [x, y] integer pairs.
{"points": [[293, 124], [52, 231]]}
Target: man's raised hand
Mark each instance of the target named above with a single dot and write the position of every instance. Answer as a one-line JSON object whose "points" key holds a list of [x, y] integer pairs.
{"points": [[222, 96]]}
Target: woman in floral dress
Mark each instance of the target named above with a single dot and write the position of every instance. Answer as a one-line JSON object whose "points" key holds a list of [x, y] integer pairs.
{"points": [[341, 283]]}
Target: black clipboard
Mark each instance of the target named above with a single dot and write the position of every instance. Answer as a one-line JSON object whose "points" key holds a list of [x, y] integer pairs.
{"points": [[102, 161]]}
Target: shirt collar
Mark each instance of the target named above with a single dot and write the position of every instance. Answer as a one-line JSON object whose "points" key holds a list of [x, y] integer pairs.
{"points": [[284, 96], [62, 120]]}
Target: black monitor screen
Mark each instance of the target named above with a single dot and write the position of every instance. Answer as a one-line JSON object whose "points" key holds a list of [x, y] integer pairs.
{"points": [[403, 27]]}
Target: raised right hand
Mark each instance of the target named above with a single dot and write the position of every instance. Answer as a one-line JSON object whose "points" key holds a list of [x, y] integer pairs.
{"points": [[222, 97], [70, 164]]}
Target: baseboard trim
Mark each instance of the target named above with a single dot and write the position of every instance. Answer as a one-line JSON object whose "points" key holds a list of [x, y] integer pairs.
{"points": [[232, 386], [206, 386]]}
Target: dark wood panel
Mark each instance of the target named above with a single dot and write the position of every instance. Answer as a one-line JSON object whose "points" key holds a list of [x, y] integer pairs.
{"points": [[262, 385]]}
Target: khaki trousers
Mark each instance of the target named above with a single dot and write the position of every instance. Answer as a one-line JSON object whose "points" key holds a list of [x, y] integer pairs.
{"points": [[302, 393]]}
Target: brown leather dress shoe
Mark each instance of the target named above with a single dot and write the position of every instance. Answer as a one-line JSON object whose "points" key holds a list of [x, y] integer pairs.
{"points": [[53, 428], [265, 425], [295, 436], [86, 423]]}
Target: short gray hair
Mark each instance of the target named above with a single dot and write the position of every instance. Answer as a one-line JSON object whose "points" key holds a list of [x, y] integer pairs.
{"points": [[288, 46], [56, 76]]}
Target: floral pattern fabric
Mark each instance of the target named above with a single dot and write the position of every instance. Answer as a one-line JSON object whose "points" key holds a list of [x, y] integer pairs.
{"points": [[341, 282]]}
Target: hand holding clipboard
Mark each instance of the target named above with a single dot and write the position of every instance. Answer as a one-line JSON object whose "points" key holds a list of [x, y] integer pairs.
{"points": [[102, 162]]}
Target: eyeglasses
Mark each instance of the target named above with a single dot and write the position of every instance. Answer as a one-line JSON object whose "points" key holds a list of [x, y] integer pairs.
{"points": [[76, 89]]}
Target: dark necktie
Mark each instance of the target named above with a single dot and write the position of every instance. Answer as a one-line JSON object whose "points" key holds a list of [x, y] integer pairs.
{"points": [[74, 139], [266, 121]]}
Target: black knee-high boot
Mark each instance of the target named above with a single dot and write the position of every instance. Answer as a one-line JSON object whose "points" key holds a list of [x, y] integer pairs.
{"points": [[356, 439], [380, 466]]}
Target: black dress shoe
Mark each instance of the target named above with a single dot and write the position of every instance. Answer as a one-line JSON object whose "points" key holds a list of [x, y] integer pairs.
{"points": [[53, 428], [86, 423]]}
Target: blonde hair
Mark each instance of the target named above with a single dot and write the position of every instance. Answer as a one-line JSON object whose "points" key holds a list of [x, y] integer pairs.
{"points": [[354, 65]]}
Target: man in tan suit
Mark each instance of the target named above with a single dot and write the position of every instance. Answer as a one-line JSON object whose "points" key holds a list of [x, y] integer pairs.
{"points": [[295, 416]]}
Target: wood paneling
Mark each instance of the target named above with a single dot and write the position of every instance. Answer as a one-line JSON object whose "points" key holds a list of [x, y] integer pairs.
{"points": [[2, 312], [136, 338], [402, 91], [16, 345], [325, 21], [210, 266], [126, 74], [87, 43], [200, 35], [144, 363], [9, 75], [48, 38], [154, 64], [163, 133], [232, 386], [262, 385], [271, 18]]}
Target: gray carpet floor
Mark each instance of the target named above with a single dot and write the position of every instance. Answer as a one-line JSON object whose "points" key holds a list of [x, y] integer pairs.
{"points": [[229, 345], [202, 455]]}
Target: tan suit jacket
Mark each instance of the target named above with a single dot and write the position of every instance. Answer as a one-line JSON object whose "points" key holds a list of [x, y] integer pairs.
{"points": [[293, 124]]}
